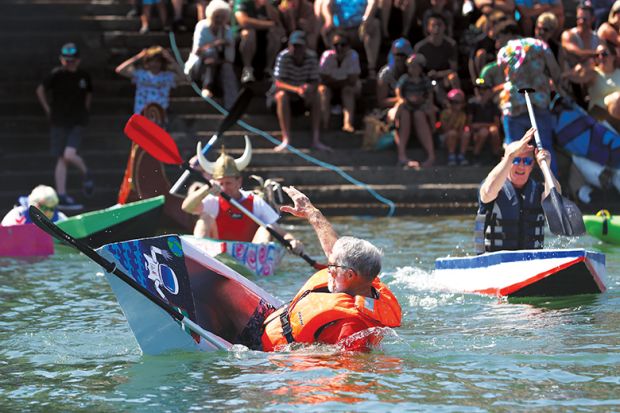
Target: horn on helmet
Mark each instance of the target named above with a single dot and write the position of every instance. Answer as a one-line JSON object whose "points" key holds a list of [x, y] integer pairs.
{"points": [[244, 159], [204, 163]]}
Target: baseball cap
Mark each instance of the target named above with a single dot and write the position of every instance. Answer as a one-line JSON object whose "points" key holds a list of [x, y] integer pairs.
{"points": [[69, 51], [297, 37]]}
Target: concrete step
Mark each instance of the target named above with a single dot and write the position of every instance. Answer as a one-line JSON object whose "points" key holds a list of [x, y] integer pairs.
{"points": [[117, 87], [62, 8], [82, 23]]}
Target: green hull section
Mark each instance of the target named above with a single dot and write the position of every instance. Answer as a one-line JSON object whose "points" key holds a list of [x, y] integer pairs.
{"points": [[605, 229], [84, 225]]}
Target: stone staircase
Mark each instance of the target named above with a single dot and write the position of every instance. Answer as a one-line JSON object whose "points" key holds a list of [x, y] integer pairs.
{"points": [[32, 32]]}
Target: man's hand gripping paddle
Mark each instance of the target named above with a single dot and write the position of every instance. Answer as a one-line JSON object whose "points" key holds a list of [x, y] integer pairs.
{"points": [[41, 221], [161, 146], [563, 216]]}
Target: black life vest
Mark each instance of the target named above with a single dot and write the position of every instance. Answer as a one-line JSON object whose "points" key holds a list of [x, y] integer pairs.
{"points": [[514, 221]]}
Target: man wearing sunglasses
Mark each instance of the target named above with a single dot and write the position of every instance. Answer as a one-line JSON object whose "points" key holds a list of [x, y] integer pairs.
{"points": [[42, 197], [335, 303], [510, 214]]}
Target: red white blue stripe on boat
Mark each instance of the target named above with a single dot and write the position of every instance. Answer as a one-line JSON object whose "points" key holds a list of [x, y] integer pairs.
{"points": [[524, 273]]}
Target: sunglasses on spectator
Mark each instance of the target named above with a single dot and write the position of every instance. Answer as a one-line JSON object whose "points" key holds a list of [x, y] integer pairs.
{"points": [[603, 54], [527, 160]]}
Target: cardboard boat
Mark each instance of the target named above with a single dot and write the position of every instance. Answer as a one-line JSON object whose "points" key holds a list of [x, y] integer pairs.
{"points": [[25, 240], [226, 304], [603, 226], [524, 273]]}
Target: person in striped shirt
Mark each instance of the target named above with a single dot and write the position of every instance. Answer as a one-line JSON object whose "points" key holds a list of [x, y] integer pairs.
{"points": [[296, 78]]}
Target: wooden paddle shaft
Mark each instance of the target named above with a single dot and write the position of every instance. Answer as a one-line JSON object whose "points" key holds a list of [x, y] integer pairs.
{"points": [[544, 167]]}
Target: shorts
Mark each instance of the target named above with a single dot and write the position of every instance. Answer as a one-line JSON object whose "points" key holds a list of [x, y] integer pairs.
{"points": [[62, 137], [298, 104], [150, 2]]}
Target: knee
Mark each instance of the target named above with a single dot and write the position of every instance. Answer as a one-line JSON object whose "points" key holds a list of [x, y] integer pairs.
{"points": [[323, 90], [248, 35], [281, 97]]}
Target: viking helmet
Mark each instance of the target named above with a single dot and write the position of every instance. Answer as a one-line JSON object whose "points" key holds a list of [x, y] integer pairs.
{"points": [[226, 165]]}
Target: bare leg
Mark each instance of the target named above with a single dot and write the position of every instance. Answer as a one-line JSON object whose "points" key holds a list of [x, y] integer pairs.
{"points": [[283, 105], [425, 136], [408, 13], [200, 10], [402, 118], [372, 42], [451, 141], [480, 138], [315, 119], [145, 17], [348, 108], [386, 9], [247, 47], [60, 176], [325, 95], [274, 44], [177, 7], [71, 157], [163, 13]]}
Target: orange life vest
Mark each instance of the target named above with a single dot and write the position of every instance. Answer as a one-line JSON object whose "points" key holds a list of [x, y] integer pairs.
{"points": [[234, 225], [314, 307]]}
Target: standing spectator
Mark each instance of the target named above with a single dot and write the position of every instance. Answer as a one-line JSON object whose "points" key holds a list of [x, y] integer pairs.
{"points": [[210, 63], [153, 81], [529, 10], [340, 76], [66, 95], [484, 51], [526, 63], [411, 112], [453, 121], [357, 20], [296, 78], [178, 25], [609, 31], [299, 15], [483, 118], [391, 72], [441, 55], [251, 18], [145, 17], [406, 9]]}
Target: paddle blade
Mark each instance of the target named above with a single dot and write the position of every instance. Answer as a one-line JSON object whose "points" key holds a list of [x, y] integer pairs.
{"points": [[237, 110], [153, 139], [563, 216]]}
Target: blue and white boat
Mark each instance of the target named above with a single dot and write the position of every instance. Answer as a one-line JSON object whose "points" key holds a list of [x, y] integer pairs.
{"points": [[524, 273]]}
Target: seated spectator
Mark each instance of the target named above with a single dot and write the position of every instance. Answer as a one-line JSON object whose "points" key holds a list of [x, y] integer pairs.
{"points": [[145, 17], [488, 6], [299, 15], [391, 72], [406, 9], [340, 76], [579, 43], [439, 7], [609, 31], [529, 10], [357, 21], [484, 51], [453, 121], [545, 29], [210, 63], [153, 81], [411, 111], [296, 78], [251, 17], [483, 118], [44, 198], [440, 53]]}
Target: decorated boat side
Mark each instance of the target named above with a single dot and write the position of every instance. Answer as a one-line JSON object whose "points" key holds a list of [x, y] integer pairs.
{"points": [[603, 226], [246, 258], [25, 240], [525, 273], [223, 302], [117, 223]]}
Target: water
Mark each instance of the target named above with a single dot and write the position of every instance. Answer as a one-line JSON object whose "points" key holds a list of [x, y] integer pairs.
{"points": [[65, 345]]}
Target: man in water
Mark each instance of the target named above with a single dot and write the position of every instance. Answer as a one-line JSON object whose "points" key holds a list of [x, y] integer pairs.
{"points": [[339, 301], [44, 198], [218, 218], [510, 214]]}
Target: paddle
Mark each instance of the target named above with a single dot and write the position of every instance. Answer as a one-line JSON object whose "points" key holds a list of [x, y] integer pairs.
{"points": [[563, 216], [153, 143], [41, 221], [171, 156]]}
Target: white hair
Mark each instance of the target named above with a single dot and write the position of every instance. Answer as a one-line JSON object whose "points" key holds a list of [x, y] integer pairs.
{"points": [[363, 257], [43, 195], [215, 6]]}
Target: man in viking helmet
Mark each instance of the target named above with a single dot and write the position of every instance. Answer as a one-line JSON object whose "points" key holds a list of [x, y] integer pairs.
{"points": [[219, 219]]}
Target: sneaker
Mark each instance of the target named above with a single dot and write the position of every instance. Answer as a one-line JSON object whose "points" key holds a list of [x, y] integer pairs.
{"points": [[247, 75], [144, 30], [462, 160], [67, 203], [451, 159], [88, 187]]}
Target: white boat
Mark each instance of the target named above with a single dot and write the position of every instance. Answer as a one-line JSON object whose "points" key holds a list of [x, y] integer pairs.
{"points": [[524, 273], [218, 299], [246, 258]]}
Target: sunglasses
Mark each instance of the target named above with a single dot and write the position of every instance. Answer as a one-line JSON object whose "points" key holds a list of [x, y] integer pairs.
{"points": [[603, 54], [332, 267], [45, 208], [527, 160]]}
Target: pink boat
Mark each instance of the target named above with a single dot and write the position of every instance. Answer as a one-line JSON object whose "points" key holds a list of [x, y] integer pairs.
{"points": [[25, 241]]}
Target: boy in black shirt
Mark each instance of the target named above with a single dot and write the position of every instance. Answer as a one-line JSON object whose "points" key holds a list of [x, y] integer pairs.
{"points": [[65, 96]]}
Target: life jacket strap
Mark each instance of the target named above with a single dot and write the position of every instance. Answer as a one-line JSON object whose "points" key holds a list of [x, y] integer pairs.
{"points": [[287, 330]]}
